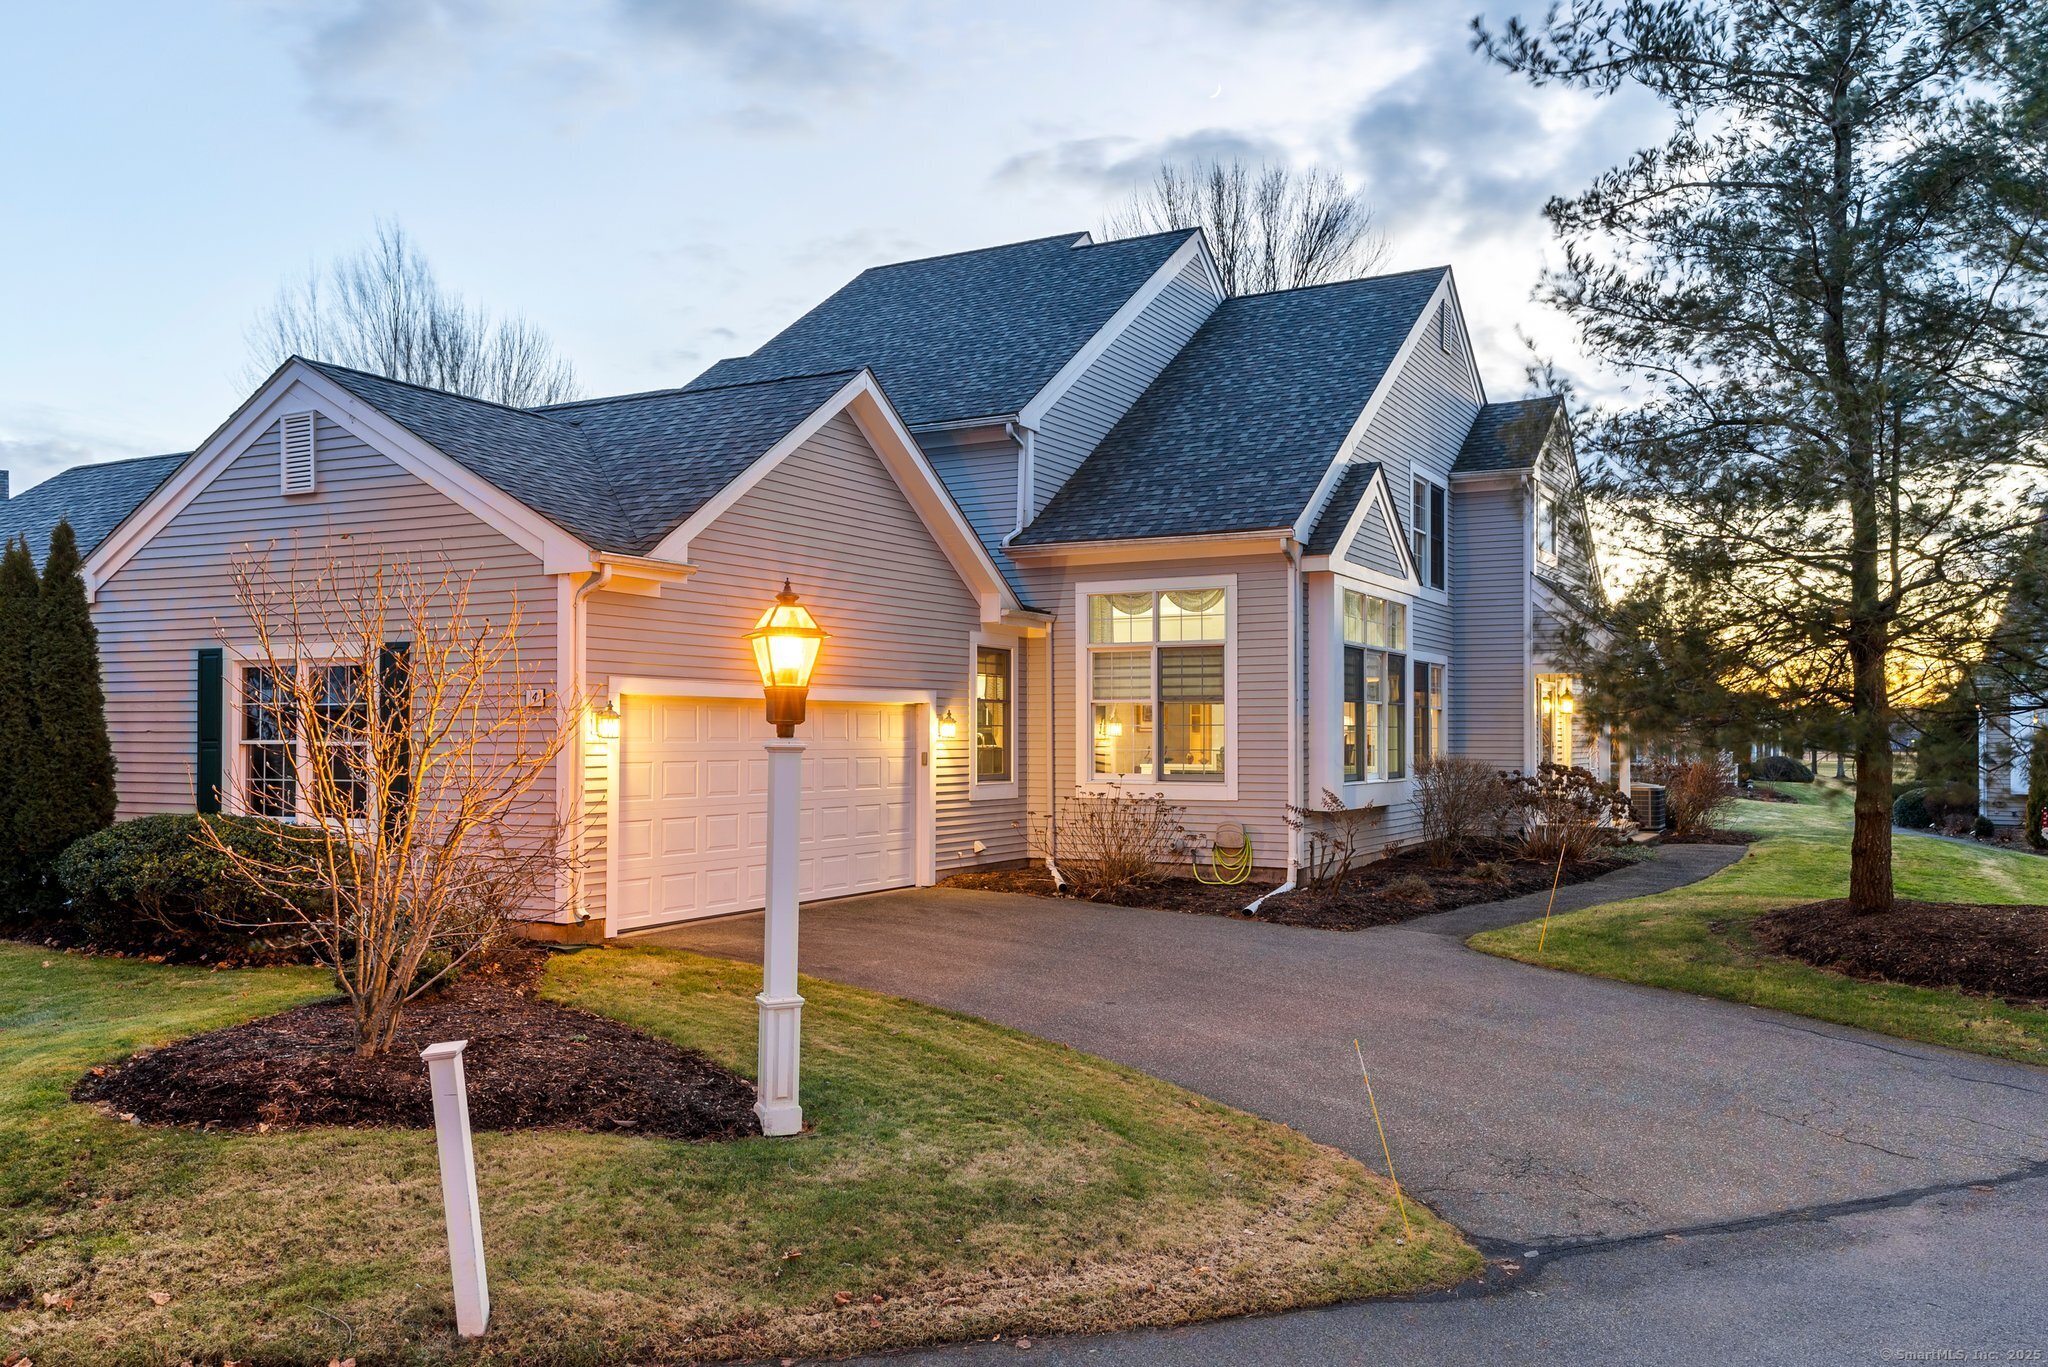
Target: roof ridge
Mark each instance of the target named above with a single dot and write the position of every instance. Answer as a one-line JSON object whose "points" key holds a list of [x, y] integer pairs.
{"points": [[1354, 280], [983, 251], [118, 460], [694, 388], [420, 388]]}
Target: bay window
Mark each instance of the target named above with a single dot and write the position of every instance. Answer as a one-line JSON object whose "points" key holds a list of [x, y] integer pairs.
{"points": [[1375, 688], [1157, 667]]}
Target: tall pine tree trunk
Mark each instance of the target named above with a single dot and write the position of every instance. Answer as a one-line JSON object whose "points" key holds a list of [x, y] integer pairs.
{"points": [[1870, 847]]}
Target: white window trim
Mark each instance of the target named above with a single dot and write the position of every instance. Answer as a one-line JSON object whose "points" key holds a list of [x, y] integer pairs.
{"points": [[1545, 494], [978, 789], [1431, 481], [1358, 791], [1181, 790], [234, 785]]}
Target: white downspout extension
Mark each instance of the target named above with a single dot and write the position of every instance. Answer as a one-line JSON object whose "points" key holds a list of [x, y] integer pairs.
{"points": [[573, 751], [1297, 728], [1052, 759]]}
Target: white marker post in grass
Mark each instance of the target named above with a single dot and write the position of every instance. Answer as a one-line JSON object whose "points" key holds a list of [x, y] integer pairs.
{"points": [[458, 1186]]}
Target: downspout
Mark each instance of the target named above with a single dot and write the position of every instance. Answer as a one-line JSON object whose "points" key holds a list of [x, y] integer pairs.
{"points": [[1052, 765], [1297, 728], [579, 649]]}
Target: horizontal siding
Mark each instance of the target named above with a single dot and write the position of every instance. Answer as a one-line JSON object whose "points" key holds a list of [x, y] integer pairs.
{"points": [[1258, 750], [980, 471], [2000, 755], [177, 595], [1077, 423], [1489, 702], [832, 520], [1373, 547]]}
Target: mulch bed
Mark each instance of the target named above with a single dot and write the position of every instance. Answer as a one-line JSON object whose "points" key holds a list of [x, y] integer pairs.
{"points": [[1364, 900], [1993, 951], [531, 1064], [1711, 838]]}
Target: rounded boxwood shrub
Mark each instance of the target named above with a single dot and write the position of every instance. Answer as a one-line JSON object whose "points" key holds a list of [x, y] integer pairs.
{"points": [[1909, 809], [1782, 769], [152, 884]]}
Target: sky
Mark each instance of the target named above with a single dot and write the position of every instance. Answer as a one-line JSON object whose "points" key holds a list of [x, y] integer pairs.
{"points": [[660, 183]]}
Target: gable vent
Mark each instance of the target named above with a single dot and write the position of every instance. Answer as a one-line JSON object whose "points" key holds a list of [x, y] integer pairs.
{"points": [[1444, 328], [297, 472]]}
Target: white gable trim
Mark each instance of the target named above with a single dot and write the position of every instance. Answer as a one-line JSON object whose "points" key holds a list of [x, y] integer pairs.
{"points": [[298, 386], [1425, 324], [1378, 494], [862, 399], [1195, 248]]}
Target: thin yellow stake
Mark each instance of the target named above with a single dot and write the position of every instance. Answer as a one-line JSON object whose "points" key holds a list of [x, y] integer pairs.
{"points": [[1398, 1198], [1541, 934]]}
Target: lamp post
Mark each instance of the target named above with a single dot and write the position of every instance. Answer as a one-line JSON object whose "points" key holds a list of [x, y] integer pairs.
{"points": [[785, 643]]}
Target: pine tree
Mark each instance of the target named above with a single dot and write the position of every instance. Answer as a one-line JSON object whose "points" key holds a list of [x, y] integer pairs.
{"points": [[1826, 294], [70, 774], [17, 624]]}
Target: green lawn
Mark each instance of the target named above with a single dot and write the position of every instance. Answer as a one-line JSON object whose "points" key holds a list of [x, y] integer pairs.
{"points": [[975, 1180], [1696, 939]]}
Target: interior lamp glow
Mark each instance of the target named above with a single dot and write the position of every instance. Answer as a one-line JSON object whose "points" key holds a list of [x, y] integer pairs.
{"points": [[948, 728], [604, 720], [786, 642]]}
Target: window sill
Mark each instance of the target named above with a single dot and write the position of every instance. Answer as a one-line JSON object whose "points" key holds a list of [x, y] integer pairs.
{"points": [[980, 791], [1177, 789]]}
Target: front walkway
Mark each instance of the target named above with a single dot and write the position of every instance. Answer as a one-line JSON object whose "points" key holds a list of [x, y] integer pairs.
{"points": [[1537, 1110]]}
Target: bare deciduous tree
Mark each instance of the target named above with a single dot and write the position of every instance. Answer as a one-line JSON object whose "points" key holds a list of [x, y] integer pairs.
{"points": [[1271, 227], [401, 734], [381, 309]]}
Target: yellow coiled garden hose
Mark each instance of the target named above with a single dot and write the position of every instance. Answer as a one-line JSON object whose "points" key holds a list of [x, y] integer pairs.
{"points": [[1230, 862]]}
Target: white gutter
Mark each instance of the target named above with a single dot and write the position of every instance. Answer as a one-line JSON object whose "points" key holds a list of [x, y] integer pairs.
{"points": [[573, 751], [1052, 761], [1296, 703]]}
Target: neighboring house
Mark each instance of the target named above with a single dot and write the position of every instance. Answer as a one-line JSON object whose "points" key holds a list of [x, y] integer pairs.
{"points": [[1075, 523], [95, 498], [2009, 727]]}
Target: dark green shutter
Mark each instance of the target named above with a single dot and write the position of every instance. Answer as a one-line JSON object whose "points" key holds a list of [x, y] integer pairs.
{"points": [[207, 726], [394, 707]]}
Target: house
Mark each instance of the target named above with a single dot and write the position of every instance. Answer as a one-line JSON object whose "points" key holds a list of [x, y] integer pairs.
{"points": [[1076, 524]]}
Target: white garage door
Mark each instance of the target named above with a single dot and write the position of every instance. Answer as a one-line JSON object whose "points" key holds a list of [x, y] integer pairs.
{"points": [[693, 817]]}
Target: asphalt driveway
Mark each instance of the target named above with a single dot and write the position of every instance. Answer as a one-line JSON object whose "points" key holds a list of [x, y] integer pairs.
{"points": [[1536, 1109]]}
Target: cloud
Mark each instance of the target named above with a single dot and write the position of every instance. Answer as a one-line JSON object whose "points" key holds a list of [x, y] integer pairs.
{"points": [[368, 64], [1116, 165], [763, 44], [1465, 151], [29, 461]]}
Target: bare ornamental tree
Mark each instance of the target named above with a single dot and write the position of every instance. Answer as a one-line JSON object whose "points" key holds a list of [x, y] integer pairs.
{"points": [[1271, 227], [404, 741], [382, 310]]}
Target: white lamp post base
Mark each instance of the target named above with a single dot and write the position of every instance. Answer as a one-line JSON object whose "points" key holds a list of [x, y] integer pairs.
{"points": [[775, 1081], [781, 1031]]}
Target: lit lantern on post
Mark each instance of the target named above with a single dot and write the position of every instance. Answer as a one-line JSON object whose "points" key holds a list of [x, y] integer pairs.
{"points": [[785, 643]]}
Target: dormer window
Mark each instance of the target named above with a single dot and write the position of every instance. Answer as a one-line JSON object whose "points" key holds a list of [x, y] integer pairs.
{"points": [[298, 472]]}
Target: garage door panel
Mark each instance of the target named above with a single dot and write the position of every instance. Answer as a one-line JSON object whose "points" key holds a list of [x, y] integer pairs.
{"points": [[693, 822]]}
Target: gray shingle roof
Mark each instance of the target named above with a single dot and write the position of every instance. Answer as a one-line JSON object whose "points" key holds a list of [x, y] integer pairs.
{"points": [[1508, 436], [1329, 528], [1238, 431], [95, 499], [972, 335], [619, 473]]}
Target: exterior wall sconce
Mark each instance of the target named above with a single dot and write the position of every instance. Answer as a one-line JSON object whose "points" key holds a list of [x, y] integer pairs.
{"points": [[948, 728], [604, 720]]}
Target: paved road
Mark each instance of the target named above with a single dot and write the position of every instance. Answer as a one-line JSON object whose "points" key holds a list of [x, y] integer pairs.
{"points": [[1806, 1169]]}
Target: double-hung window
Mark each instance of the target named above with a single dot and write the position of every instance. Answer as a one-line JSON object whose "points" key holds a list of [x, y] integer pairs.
{"points": [[1375, 688], [305, 735], [1429, 712], [1157, 686], [1546, 525], [992, 724], [1429, 528]]}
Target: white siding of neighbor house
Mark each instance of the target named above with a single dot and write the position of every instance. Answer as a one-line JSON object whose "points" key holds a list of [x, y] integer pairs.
{"points": [[832, 520], [1083, 415], [2002, 751], [1490, 580], [1259, 747], [176, 596]]}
